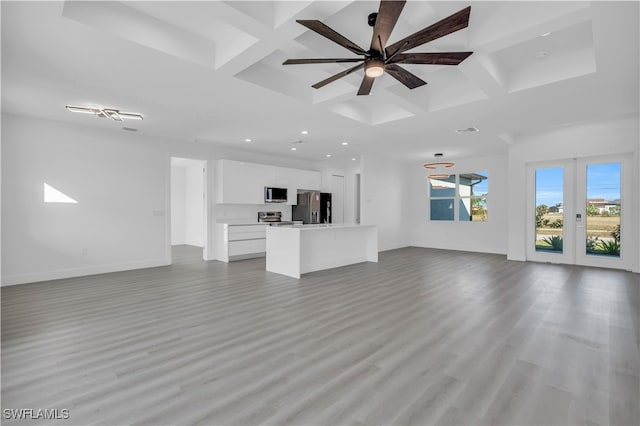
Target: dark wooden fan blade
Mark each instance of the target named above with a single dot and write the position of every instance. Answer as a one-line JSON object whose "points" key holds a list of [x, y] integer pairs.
{"points": [[327, 32], [388, 14], [320, 61], [451, 24], [439, 58], [365, 86], [337, 76], [403, 76]]}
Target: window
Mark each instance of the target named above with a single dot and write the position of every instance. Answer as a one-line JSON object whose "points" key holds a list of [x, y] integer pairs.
{"points": [[468, 191], [443, 195]]}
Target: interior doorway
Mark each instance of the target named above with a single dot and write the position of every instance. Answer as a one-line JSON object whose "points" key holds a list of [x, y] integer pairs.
{"points": [[579, 212], [188, 203]]}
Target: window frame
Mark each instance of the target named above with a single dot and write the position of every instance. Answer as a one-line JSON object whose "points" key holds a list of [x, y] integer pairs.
{"points": [[453, 198], [458, 198]]}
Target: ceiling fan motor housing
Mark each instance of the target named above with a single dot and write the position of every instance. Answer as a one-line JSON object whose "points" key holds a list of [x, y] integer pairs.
{"points": [[371, 19]]}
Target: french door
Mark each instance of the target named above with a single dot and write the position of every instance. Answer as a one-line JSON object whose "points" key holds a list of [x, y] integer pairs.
{"points": [[578, 212]]}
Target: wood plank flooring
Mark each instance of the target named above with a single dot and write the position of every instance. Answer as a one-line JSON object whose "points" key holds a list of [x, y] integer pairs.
{"points": [[423, 337]]}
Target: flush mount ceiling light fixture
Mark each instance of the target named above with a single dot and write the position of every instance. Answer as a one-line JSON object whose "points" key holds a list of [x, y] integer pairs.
{"points": [[115, 114], [468, 130], [439, 167]]}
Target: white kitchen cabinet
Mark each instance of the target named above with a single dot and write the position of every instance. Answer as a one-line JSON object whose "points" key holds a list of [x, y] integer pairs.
{"points": [[236, 242], [307, 179], [239, 182], [247, 248], [288, 178], [242, 183]]}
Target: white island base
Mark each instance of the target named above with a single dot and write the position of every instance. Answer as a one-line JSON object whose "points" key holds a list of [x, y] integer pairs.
{"points": [[296, 250]]}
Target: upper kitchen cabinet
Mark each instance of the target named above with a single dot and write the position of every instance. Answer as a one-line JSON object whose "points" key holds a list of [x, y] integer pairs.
{"points": [[242, 183], [307, 179], [287, 178]]}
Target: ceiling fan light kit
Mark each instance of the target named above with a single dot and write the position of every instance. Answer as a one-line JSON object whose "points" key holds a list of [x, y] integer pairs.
{"points": [[380, 58], [374, 68]]}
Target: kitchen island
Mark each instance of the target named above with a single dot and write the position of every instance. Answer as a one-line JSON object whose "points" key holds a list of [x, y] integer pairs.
{"points": [[296, 250]]}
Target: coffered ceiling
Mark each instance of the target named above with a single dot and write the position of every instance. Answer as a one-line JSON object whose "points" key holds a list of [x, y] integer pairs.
{"points": [[211, 72]]}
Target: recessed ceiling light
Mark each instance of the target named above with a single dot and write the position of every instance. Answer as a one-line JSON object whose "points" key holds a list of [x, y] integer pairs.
{"points": [[247, 140], [545, 34], [305, 132], [293, 148], [353, 159], [541, 55], [328, 155], [345, 143], [468, 130]]}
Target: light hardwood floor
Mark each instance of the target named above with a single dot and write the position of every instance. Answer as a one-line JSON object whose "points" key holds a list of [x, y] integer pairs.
{"points": [[423, 337]]}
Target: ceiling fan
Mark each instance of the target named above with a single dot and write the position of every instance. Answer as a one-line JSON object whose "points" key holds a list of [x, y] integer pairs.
{"points": [[380, 58]]}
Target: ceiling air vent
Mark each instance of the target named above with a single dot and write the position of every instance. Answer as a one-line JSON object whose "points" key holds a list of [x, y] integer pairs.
{"points": [[468, 130]]}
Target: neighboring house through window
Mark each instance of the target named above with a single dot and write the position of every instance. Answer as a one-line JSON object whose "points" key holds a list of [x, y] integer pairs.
{"points": [[468, 191]]}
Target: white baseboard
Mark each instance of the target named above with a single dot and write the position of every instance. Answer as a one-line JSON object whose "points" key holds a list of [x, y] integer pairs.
{"points": [[459, 248], [79, 272]]}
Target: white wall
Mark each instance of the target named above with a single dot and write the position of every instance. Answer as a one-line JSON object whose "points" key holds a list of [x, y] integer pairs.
{"points": [[194, 205], [350, 192], [488, 237], [581, 140], [120, 181], [178, 205], [384, 199]]}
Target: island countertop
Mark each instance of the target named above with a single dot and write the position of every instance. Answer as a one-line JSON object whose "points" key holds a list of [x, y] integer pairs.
{"points": [[298, 249], [316, 226]]}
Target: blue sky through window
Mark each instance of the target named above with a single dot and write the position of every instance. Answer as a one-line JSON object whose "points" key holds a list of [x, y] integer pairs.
{"points": [[549, 184], [603, 181], [482, 188]]}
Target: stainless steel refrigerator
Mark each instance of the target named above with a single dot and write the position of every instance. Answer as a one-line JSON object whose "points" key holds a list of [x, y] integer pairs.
{"points": [[313, 207]]}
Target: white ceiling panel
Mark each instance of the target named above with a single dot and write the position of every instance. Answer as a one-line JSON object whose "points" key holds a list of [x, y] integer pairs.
{"points": [[212, 71]]}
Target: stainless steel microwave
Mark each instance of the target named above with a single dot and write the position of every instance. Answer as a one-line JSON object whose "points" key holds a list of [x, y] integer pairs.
{"points": [[275, 195]]}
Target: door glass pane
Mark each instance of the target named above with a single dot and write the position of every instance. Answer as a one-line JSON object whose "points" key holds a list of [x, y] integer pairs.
{"points": [[603, 209], [549, 209]]}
